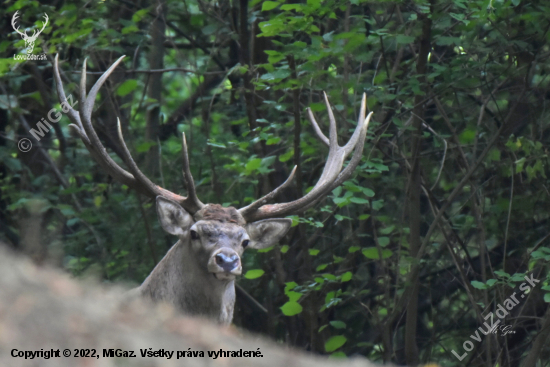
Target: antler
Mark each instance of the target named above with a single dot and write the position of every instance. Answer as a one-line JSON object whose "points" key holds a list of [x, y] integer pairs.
{"points": [[332, 175], [82, 125], [13, 19], [44, 25]]}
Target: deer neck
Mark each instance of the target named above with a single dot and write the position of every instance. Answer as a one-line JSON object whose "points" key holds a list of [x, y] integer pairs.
{"points": [[180, 280]]}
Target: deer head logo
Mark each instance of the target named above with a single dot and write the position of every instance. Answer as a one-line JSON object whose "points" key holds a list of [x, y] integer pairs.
{"points": [[29, 40]]}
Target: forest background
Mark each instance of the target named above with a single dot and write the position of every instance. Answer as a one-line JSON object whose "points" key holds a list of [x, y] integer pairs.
{"points": [[448, 210]]}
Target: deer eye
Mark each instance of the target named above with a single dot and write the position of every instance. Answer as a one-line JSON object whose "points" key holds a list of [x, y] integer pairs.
{"points": [[194, 235], [245, 243]]}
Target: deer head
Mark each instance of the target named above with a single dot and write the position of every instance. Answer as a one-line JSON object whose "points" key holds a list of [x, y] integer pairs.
{"points": [[197, 274], [29, 40]]}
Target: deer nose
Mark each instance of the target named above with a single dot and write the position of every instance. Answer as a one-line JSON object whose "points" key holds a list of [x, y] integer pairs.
{"points": [[227, 262]]}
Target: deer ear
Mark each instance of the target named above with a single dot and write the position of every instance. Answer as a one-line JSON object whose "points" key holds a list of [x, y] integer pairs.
{"points": [[173, 218], [265, 233]]}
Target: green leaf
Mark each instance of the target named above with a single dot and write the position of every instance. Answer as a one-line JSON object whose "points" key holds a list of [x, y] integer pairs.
{"points": [[467, 136], [290, 285], [130, 29], [269, 5], [368, 192], [145, 146], [215, 144], [346, 277], [478, 285], [338, 324], [365, 344], [127, 87], [517, 277], [337, 355], [314, 3], [502, 274], [313, 251], [341, 217], [253, 164], [547, 297], [209, 29], [446, 41], [291, 308], [519, 164], [538, 255], [386, 230], [139, 15], [404, 40], [273, 141], [384, 241], [276, 74], [254, 273], [334, 343], [377, 204], [359, 200], [372, 253], [286, 156], [267, 249], [67, 211], [73, 221], [287, 7], [293, 296], [494, 155]]}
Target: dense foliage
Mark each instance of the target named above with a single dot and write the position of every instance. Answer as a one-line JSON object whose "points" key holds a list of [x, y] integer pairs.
{"points": [[445, 216]]}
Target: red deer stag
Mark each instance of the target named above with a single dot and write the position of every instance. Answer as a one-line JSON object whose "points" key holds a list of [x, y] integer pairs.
{"points": [[197, 275]]}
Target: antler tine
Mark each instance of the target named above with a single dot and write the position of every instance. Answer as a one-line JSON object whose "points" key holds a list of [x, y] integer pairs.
{"points": [[88, 105], [363, 110], [333, 135], [263, 200], [83, 84], [83, 125], [192, 198], [138, 175], [93, 144], [331, 177], [73, 115], [336, 154], [346, 173], [356, 157], [318, 131], [143, 183], [357, 133]]}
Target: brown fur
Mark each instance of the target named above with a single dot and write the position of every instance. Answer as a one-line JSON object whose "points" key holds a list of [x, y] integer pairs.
{"points": [[221, 214]]}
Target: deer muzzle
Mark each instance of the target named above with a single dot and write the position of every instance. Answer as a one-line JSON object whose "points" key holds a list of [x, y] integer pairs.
{"points": [[225, 264]]}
